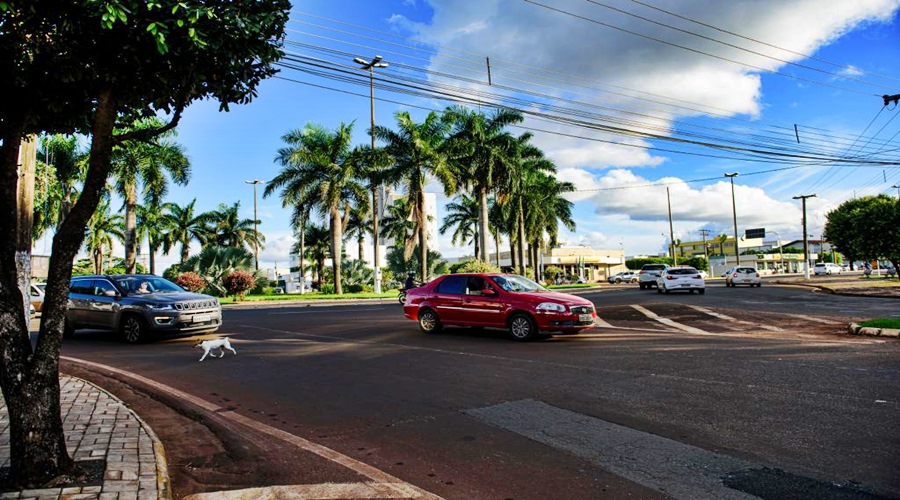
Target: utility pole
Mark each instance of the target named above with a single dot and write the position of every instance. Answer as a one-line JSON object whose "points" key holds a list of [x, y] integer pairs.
{"points": [[705, 233], [671, 230], [897, 187], [25, 216], [737, 255], [805, 235], [377, 199], [255, 182]]}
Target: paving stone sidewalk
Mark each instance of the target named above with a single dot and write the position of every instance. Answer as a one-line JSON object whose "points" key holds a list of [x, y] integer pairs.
{"points": [[99, 426]]}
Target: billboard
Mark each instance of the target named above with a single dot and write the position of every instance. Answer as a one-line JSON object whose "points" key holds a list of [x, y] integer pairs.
{"points": [[755, 233]]}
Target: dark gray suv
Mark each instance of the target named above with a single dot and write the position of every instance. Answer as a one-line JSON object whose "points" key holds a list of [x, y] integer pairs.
{"points": [[138, 304]]}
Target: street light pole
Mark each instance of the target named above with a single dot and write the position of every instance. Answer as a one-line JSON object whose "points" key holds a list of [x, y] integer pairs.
{"points": [[737, 255], [780, 251], [671, 231], [376, 195], [255, 182], [805, 235], [897, 187]]}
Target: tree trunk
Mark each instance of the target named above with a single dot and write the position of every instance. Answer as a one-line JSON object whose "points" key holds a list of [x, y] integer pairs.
{"points": [[361, 242], [130, 227], [336, 249], [481, 237], [423, 237], [497, 248], [30, 379], [512, 253], [521, 226], [302, 256], [185, 250], [153, 255]]}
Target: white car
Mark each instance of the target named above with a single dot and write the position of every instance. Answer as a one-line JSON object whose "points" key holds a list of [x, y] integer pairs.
{"points": [[743, 275], [680, 278], [827, 268]]}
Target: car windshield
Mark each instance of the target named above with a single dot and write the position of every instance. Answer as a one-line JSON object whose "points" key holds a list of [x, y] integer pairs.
{"points": [[146, 284], [516, 283]]}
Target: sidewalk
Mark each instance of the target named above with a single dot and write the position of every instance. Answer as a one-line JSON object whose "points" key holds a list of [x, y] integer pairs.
{"points": [[98, 426]]}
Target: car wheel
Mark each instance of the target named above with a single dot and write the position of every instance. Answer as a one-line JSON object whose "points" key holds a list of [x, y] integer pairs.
{"points": [[658, 290], [758, 285], [641, 286], [634, 280], [702, 291], [429, 321], [618, 280], [68, 329], [134, 329], [666, 290], [522, 327]]}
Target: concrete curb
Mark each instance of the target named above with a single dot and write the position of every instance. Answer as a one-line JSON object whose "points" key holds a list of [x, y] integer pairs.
{"points": [[855, 329]]}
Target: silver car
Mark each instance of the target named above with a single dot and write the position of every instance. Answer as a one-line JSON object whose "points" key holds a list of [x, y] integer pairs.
{"points": [[742, 275], [138, 305]]}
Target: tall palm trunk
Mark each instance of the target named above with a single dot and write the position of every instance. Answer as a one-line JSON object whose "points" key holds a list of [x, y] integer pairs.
{"points": [[302, 256], [185, 249], [152, 255], [521, 229], [130, 227], [481, 237], [336, 249], [423, 236], [360, 241], [497, 247]]}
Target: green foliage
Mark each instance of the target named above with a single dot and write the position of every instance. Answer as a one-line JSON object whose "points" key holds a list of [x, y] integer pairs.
{"points": [[478, 266], [327, 288], [356, 273], [866, 228], [356, 288], [213, 264], [699, 263], [399, 267], [881, 323], [830, 257], [83, 267], [172, 272], [639, 263], [117, 266], [551, 271]]}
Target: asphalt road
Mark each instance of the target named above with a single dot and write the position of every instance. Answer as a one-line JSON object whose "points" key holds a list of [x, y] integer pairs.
{"points": [[739, 391]]}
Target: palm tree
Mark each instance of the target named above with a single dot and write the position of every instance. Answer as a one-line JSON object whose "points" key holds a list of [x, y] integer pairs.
{"points": [[150, 220], [358, 226], [418, 152], [481, 150], [226, 228], [318, 246], [545, 208], [463, 215], [102, 228], [371, 167], [182, 226], [59, 168], [316, 173], [144, 164], [498, 224]]}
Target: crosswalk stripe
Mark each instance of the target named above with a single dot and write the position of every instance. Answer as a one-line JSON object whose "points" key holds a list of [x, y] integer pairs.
{"points": [[729, 318], [668, 322]]}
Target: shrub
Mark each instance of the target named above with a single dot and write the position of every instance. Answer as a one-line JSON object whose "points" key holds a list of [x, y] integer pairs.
{"points": [[190, 281], [550, 273], [237, 283], [327, 288], [355, 288], [478, 266]]}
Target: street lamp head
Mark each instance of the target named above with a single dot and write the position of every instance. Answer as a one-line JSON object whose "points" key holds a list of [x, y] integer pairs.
{"points": [[381, 65], [733, 174], [360, 60]]}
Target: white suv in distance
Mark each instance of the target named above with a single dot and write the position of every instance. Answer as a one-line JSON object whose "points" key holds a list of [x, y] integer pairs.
{"points": [[681, 278], [742, 275], [827, 268], [649, 273]]}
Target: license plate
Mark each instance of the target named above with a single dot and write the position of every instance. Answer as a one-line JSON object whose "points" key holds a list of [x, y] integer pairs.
{"points": [[201, 318], [585, 318]]}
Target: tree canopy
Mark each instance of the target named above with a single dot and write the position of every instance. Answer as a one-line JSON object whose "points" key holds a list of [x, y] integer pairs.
{"points": [[866, 228]]}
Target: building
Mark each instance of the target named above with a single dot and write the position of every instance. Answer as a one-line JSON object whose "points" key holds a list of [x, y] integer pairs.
{"points": [[593, 265], [713, 246]]}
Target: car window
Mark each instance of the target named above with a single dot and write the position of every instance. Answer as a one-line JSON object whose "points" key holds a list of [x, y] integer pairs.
{"points": [[746, 270], [455, 285], [653, 267], [687, 271], [81, 287], [516, 283], [102, 287], [146, 284], [474, 285]]}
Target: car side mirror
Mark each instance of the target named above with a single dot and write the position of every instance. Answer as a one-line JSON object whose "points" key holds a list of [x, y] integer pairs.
{"points": [[489, 292]]}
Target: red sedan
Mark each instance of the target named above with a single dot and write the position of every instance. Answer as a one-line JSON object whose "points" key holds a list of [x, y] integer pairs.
{"points": [[495, 300]]}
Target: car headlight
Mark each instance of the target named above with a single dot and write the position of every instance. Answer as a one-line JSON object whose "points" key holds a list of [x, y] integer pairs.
{"points": [[551, 307], [159, 307]]}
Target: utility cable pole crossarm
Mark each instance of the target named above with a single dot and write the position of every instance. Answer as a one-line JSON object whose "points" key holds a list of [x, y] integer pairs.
{"points": [[377, 201], [805, 235]]}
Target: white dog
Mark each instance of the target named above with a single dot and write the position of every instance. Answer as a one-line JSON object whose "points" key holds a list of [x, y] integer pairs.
{"points": [[219, 344]]}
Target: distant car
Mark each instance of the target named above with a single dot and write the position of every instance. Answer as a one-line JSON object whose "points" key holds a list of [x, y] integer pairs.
{"points": [[823, 268], [625, 276], [137, 305], [743, 275], [649, 273], [680, 278], [508, 301], [37, 295]]}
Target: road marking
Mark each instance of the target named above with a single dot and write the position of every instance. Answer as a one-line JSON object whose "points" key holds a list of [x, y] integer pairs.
{"points": [[666, 321], [665, 465], [735, 320], [404, 489], [318, 491], [326, 311], [815, 320]]}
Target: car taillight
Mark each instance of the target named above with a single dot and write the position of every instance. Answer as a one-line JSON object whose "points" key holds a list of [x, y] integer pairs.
{"points": [[670, 277], [734, 275], [698, 277], [757, 275], [642, 272]]}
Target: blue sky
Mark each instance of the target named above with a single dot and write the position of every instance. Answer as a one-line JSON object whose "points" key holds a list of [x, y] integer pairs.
{"points": [[541, 57]]}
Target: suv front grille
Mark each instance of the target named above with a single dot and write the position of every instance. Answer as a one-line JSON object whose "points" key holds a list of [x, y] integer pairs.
{"points": [[582, 310], [199, 304]]}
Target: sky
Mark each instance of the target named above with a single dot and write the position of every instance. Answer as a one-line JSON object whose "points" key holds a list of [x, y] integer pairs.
{"points": [[736, 74]]}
